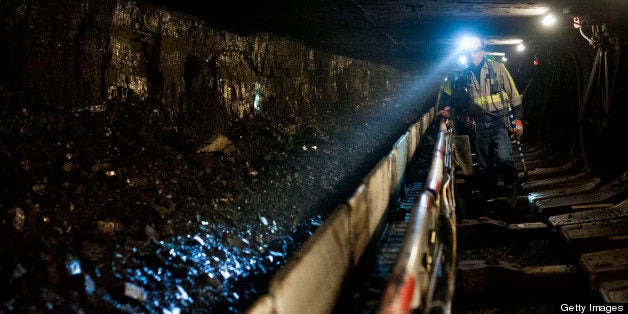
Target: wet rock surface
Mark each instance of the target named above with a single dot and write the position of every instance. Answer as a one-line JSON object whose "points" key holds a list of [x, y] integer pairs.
{"points": [[119, 209]]}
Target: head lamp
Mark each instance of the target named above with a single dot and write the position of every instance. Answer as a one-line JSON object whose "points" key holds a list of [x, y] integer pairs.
{"points": [[471, 44]]}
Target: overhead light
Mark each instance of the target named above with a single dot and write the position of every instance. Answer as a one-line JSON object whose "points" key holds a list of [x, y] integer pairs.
{"points": [[503, 41], [504, 59], [463, 60], [549, 19], [528, 10], [521, 47], [495, 53]]}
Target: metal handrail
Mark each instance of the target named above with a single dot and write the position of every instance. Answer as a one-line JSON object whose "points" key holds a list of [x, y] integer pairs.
{"points": [[430, 241]]}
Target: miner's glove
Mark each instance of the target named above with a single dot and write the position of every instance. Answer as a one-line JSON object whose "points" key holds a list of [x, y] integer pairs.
{"points": [[517, 131], [445, 112]]}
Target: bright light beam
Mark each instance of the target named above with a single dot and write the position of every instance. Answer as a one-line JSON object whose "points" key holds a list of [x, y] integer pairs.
{"points": [[549, 20], [463, 60]]}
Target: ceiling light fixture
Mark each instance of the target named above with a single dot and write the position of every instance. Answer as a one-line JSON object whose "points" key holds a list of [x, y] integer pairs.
{"points": [[495, 53], [506, 41]]}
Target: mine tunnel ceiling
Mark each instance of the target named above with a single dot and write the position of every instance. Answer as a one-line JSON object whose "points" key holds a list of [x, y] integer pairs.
{"points": [[411, 31]]}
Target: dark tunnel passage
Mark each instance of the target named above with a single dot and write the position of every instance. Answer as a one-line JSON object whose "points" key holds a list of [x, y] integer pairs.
{"points": [[153, 160]]}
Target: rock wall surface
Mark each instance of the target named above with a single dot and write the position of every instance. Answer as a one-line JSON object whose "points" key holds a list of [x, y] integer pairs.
{"points": [[91, 53]]}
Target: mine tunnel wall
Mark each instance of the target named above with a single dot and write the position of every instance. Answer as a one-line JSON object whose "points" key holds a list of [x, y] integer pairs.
{"points": [[556, 113], [77, 56]]}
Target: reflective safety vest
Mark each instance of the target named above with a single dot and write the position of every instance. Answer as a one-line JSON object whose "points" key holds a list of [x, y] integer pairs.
{"points": [[487, 101], [478, 91], [492, 73]]}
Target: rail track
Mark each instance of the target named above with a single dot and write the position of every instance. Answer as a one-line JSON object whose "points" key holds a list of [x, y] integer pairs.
{"points": [[414, 238]]}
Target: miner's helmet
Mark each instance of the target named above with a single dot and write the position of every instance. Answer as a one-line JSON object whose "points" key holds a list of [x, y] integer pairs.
{"points": [[472, 44]]}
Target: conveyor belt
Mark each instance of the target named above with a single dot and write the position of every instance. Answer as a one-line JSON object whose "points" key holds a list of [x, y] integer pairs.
{"points": [[364, 293]]}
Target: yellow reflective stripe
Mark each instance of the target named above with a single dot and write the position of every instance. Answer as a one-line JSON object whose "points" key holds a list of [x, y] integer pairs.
{"points": [[447, 88], [490, 99]]}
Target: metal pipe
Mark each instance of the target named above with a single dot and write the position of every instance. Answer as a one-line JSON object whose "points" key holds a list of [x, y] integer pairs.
{"points": [[453, 247], [617, 54], [606, 84], [579, 89], [433, 279], [450, 221], [585, 36], [410, 279], [585, 101], [587, 91], [435, 175], [442, 282]]}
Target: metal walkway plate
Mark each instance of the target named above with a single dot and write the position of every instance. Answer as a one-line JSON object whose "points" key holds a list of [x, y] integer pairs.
{"points": [[605, 266], [564, 191], [548, 171], [479, 277], [534, 149], [614, 212], [486, 231], [535, 164], [537, 154], [553, 182], [597, 235], [552, 158], [614, 291], [598, 195]]}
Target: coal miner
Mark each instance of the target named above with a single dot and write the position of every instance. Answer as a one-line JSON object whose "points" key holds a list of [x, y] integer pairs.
{"points": [[482, 96]]}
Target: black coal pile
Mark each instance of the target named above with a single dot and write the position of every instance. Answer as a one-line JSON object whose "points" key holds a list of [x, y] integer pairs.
{"points": [[116, 208]]}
